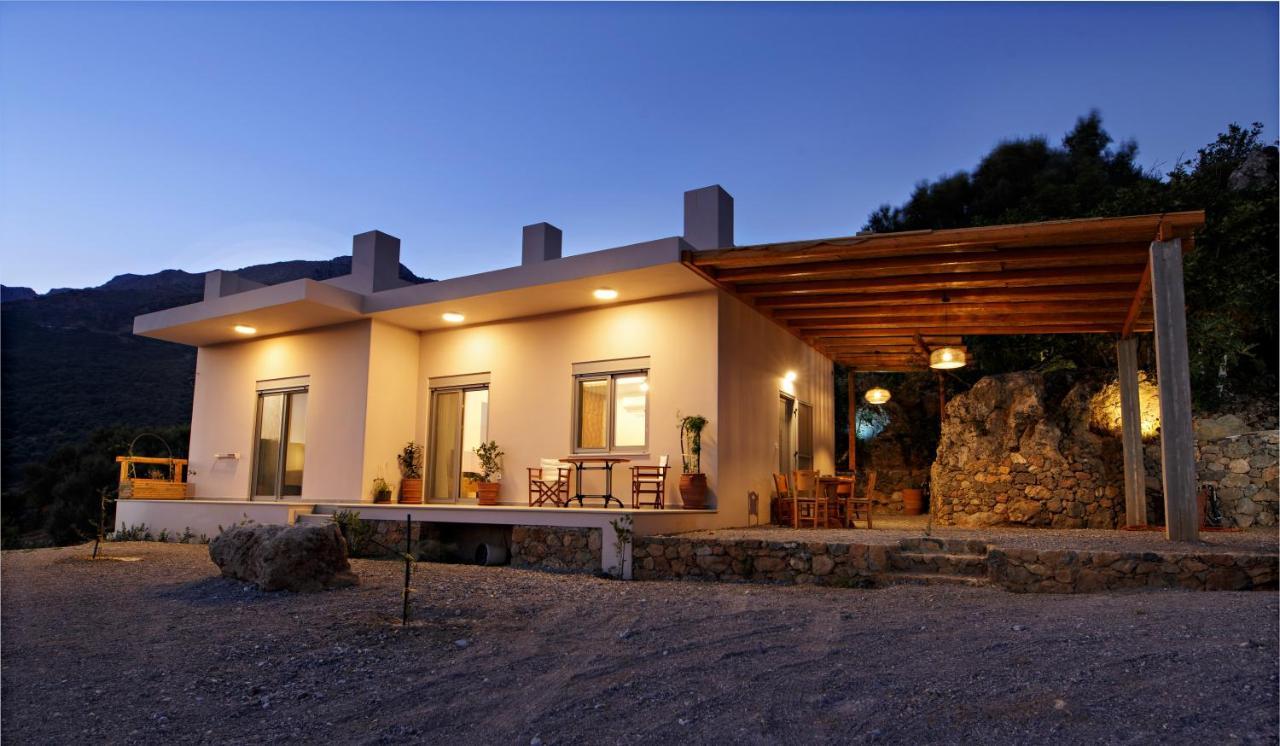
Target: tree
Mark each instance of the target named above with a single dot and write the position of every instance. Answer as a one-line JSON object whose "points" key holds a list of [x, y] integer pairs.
{"points": [[1231, 282]]}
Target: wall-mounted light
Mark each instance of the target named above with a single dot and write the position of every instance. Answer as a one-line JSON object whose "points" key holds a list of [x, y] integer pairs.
{"points": [[877, 395], [946, 358], [605, 293], [245, 329], [453, 317], [790, 377]]}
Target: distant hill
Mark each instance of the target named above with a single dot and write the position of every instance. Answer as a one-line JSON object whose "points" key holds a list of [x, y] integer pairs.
{"points": [[69, 363]]}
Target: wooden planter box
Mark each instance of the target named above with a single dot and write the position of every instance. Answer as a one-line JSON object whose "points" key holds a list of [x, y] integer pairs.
{"points": [[140, 488]]}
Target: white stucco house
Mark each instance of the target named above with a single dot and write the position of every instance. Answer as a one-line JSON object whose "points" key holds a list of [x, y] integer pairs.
{"points": [[347, 370], [306, 391]]}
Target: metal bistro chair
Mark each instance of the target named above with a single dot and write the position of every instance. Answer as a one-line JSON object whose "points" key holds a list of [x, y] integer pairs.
{"points": [[809, 504], [549, 483], [651, 481], [783, 504]]}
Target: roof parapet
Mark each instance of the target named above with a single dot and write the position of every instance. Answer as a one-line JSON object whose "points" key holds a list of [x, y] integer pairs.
{"points": [[708, 218], [541, 243], [220, 283]]}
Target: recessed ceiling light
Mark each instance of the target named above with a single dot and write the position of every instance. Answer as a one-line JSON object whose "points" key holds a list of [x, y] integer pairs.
{"points": [[605, 293], [453, 317], [245, 329]]}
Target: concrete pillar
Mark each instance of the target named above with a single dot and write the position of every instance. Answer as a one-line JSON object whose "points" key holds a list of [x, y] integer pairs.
{"points": [[541, 243], [708, 218], [375, 262], [1177, 441], [219, 284], [1135, 478]]}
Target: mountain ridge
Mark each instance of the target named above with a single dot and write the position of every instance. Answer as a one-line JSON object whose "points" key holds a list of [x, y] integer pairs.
{"points": [[69, 363]]}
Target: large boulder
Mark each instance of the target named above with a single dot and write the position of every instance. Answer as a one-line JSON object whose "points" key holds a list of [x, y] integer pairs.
{"points": [[284, 558]]}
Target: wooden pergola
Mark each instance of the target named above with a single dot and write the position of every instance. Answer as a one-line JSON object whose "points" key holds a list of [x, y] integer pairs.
{"points": [[882, 302]]}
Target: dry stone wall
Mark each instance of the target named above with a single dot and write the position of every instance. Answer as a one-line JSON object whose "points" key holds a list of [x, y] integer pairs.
{"points": [[555, 548]]}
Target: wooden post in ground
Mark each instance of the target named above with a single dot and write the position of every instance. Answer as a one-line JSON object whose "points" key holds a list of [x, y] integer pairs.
{"points": [[853, 424], [1177, 444], [1135, 478], [942, 399]]}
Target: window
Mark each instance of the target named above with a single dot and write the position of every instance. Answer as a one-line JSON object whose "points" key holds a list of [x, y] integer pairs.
{"points": [[611, 412], [280, 441], [459, 423]]}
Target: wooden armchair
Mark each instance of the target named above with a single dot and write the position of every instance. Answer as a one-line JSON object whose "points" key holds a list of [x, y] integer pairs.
{"points": [[783, 504], [549, 483], [810, 506], [854, 505], [651, 481]]}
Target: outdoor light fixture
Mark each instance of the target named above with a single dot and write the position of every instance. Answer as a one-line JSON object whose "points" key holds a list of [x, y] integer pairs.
{"points": [[877, 395], [245, 329], [790, 377], [946, 358], [453, 317], [605, 293]]}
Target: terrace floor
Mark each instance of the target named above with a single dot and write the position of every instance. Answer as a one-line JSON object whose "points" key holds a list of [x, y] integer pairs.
{"points": [[890, 529]]}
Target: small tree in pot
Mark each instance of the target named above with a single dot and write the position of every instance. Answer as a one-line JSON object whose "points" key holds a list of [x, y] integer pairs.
{"points": [[381, 491], [490, 457], [693, 483], [410, 460]]}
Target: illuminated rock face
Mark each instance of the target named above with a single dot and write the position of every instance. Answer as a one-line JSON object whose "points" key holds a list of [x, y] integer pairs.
{"points": [[1007, 457]]}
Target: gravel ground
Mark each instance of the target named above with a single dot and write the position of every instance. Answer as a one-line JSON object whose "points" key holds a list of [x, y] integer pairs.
{"points": [[162, 650], [890, 528]]}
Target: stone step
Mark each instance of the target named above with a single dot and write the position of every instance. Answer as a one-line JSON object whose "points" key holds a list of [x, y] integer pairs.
{"points": [[938, 545], [921, 578], [938, 563]]}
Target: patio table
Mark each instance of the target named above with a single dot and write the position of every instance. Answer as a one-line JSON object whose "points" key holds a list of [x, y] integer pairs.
{"points": [[605, 464]]}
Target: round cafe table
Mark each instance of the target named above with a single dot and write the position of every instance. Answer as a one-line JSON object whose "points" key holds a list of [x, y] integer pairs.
{"points": [[601, 463]]}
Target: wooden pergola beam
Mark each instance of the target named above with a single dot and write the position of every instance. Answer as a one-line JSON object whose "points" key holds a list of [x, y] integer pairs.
{"points": [[1138, 303], [1049, 233], [1122, 291], [941, 321], [986, 260], [959, 309], [976, 330], [957, 281]]}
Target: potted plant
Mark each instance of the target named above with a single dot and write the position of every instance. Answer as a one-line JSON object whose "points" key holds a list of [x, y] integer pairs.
{"points": [[693, 483], [490, 457], [381, 490], [410, 460]]}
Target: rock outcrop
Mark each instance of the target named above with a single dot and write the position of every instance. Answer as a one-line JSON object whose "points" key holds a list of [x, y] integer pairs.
{"points": [[284, 558]]}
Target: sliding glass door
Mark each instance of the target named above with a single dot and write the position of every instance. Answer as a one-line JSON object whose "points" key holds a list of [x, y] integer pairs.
{"points": [[459, 423], [280, 445]]}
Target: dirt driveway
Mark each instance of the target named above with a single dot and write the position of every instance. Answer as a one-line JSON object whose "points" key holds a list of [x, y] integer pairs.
{"points": [[161, 650]]}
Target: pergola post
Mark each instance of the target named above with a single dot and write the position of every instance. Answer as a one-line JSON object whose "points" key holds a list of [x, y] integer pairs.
{"points": [[853, 423], [1135, 479], [1177, 444]]}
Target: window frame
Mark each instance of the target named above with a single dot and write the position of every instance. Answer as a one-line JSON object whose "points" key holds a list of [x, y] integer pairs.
{"points": [[611, 403], [285, 388]]}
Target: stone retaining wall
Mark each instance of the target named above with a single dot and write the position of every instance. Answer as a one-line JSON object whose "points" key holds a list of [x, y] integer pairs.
{"points": [[1243, 469], [1031, 571], [556, 548], [789, 562]]}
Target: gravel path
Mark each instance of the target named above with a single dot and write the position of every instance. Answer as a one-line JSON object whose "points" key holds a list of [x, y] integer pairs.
{"points": [[161, 650]]}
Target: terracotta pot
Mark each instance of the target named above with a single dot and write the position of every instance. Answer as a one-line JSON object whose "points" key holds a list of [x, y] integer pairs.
{"points": [[487, 493], [411, 491], [693, 491], [912, 501]]}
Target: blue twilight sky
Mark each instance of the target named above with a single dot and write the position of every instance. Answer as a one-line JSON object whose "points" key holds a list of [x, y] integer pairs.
{"points": [[136, 137]]}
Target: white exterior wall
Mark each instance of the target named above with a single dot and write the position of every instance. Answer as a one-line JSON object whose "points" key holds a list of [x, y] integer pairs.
{"points": [[335, 358], [530, 364], [392, 406], [755, 355]]}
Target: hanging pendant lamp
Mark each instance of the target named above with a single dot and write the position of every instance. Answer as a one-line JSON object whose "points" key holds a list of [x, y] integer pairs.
{"points": [[947, 358], [877, 395]]}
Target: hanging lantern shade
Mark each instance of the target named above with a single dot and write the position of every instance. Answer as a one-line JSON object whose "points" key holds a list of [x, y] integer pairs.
{"points": [[877, 395], [945, 358]]}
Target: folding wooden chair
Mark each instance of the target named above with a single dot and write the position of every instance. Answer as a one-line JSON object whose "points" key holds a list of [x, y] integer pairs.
{"points": [[549, 483], [782, 504], [651, 481], [853, 505], [809, 505]]}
